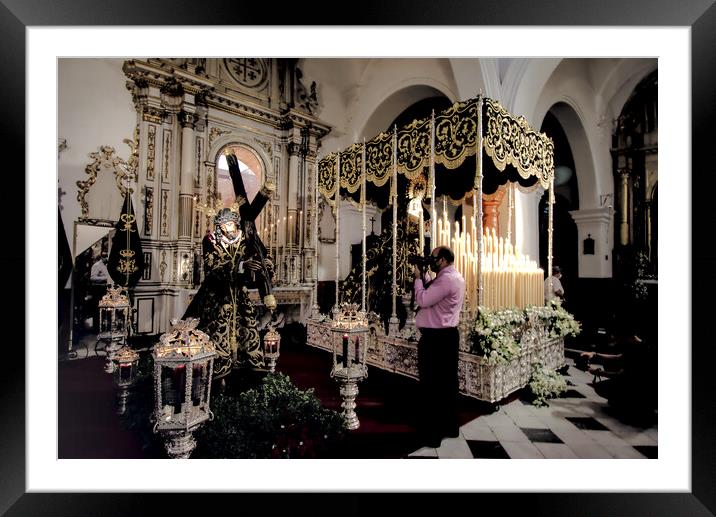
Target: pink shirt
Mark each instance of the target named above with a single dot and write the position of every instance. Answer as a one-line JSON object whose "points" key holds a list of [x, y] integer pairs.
{"points": [[441, 302]]}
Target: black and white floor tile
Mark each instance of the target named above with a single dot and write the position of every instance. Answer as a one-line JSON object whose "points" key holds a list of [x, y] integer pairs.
{"points": [[576, 425]]}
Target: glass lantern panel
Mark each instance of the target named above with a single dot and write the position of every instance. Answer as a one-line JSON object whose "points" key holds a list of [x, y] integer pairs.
{"points": [[121, 319], [199, 383], [174, 387], [125, 371], [105, 320]]}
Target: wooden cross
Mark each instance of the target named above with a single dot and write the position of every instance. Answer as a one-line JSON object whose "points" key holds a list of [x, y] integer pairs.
{"points": [[372, 222]]}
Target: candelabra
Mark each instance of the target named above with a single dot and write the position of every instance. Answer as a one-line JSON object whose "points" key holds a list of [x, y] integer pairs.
{"points": [[350, 329]]}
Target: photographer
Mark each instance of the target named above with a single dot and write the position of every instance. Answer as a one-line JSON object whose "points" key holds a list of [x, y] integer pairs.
{"points": [[440, 304]]}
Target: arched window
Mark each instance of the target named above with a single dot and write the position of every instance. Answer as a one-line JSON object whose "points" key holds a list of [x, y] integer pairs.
{"points": [[251, 169]]}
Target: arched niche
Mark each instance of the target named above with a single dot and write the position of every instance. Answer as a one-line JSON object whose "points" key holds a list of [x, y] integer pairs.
{"points": [[253, 171]]}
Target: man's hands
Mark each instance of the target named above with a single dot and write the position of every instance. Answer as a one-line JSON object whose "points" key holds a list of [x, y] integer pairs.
{"points": [[252, 264]]}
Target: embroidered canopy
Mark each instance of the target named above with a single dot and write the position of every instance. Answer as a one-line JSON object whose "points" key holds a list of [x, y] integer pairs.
{"points": [[516, 153]]}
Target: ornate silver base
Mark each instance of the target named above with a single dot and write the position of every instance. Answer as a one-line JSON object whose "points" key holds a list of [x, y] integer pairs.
{"points": [[348, 379], [179, 444], [122, 398], [271, 364]]}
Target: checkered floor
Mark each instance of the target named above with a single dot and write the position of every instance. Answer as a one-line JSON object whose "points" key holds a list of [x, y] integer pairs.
{"points": [[575, 426]]}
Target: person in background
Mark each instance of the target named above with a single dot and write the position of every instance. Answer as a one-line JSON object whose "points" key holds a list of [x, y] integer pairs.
{"points": [[557, 289], [98, 273], [440, 304], [99, 277]]}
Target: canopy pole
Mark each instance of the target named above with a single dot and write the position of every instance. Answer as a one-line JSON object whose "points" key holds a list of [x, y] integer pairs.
{"points": [[363, 201], [510, 209], [316, 309], [549, 232], [394, 315], [338, 226], [478, 200], [433, 213]]}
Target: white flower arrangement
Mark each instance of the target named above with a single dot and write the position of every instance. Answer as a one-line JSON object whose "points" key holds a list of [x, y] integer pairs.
{"points": [[496, 333], [555, 321], [545, 384]]}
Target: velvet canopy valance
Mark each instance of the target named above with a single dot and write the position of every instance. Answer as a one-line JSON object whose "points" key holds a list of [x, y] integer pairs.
{"points": [[511, 151]]}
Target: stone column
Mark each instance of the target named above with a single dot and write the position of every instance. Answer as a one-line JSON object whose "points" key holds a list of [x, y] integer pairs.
{"points": [[491, 210], [293, 181], [595, 222], [186, 179], [624, 206]]}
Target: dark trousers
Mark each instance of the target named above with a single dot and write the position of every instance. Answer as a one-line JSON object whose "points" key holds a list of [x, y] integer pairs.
{"points": [[437, 366]]}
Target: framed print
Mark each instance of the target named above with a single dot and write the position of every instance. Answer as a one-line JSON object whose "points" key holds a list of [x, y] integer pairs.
{"points": [[36, 35]]}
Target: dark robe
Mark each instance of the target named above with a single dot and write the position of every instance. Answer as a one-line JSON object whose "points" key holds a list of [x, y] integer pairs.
{"points": [[224, 309]]}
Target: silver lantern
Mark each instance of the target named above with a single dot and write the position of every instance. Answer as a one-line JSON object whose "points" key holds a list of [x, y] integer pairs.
{"points": [[183, 364], [272, 345], [350, 342], [125, 373], [114, 315]]}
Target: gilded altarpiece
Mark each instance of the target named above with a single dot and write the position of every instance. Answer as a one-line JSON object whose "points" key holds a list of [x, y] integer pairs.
{"points": [[190, 110]]}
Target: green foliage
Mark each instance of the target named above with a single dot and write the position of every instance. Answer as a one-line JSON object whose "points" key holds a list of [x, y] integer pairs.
{"points": [[275, 420], [545, 384]]}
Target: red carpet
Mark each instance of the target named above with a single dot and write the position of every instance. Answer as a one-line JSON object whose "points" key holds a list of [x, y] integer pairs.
{"points": [[386, 407]]}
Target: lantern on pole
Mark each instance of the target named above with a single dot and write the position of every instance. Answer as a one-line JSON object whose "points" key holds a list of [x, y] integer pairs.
{"points": [[113, 322], [183, 365], [350, 342], [125, 373]]}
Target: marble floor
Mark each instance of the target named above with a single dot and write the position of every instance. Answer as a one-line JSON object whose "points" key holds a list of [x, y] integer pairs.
{"points": [[578, 425]]}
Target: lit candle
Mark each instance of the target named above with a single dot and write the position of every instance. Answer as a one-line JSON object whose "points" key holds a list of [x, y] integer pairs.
{"points": [[290, 230], [345, 350], [300, 228]]}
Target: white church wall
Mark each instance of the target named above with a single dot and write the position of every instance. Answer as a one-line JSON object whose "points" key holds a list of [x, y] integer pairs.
{"points": [[94, 109]]}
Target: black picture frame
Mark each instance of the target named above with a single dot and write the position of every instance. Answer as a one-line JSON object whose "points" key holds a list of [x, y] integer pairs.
{"points": [[699, 15]]}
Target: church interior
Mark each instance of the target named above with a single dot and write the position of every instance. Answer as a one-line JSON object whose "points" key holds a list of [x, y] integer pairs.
{"points": [[236, 241]]}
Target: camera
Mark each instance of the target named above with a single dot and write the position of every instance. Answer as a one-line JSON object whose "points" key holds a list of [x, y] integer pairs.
{"points": [[420, 261]]}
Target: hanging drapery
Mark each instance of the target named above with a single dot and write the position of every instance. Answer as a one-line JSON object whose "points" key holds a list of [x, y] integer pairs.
{"points": [[448, 139]]}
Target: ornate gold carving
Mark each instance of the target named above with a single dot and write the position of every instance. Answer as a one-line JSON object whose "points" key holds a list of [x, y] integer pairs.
{"points": [[163, 265], [166, 149], [148, 210], [165, 202], [175, 266], [151, 148], [199, 154], [216, 132], [124, 172], [509, 140], [152, 114], [265, 145]]}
